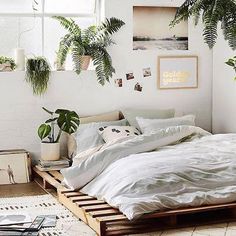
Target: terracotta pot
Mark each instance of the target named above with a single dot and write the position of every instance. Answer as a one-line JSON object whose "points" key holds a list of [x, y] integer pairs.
{"points": [[50, 151], [85, 62], [5, 66]]}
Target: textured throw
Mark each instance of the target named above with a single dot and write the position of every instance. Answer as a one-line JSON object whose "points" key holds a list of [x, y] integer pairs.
{"points": [[67, 224]]}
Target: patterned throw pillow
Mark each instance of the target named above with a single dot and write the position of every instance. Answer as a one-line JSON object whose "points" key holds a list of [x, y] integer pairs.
{"points": [[112, 133]]}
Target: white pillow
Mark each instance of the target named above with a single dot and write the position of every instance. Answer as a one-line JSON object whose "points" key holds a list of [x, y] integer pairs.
{"points": [[112, 133], [87, 136], [149, 125]]}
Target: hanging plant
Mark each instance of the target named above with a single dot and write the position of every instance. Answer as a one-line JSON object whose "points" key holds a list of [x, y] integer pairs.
{"points": [[37, 74], [212, 13], [90, 43]]}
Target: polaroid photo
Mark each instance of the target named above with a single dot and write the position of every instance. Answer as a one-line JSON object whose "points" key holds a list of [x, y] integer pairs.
{"points": [[130, 76], [147, 72], [118, 82], [138, 87]]}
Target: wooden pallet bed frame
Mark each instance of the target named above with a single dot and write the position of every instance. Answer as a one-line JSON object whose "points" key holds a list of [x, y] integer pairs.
{"points": [[107, 221]]}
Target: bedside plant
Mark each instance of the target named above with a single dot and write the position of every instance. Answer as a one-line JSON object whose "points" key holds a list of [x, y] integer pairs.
{"points": [[89, 44], [67, 121], [37, 74], [7, 64]]}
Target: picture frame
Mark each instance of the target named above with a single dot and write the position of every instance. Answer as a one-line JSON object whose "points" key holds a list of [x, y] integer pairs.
{"points": [[177, 72], [160, 36], [15, 167]]}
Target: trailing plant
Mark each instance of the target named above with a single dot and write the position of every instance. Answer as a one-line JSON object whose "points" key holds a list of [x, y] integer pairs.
{"points": [[232, 62], [66, 120], [37, 74], [211, 12], [8, 60], [92, 41]]}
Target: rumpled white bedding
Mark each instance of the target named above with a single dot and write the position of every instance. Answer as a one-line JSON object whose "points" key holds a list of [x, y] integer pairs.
{"points": [[191, 173]]}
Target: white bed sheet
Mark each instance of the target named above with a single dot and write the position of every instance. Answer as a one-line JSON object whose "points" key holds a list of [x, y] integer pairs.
{"points": [[202, 171]]}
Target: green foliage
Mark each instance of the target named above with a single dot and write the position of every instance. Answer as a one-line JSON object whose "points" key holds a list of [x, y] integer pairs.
{"points": [[66, 120], [212, 12], [232, 62], [37, 74], [92, 41], [9, 60], [43, 131]]}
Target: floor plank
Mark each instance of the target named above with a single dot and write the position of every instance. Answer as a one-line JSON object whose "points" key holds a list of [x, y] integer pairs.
{"points": [[19, 190]]}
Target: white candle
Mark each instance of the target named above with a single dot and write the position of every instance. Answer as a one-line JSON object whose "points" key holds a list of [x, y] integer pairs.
{"points": [[20, 59]]}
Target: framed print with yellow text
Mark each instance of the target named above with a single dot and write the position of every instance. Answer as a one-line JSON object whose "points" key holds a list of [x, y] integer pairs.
{"points": [[177, 72]]}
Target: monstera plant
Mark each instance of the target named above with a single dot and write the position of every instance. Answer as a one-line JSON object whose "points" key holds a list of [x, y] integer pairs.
{"points": [[212, 13], [67, 121], [89, 44]]}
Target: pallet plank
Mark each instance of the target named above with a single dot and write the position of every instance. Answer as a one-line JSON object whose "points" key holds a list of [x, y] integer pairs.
{"points": [[81, 198], [89, 203], [48, 179], [104, 213], [56, 174], [112, 218], [74, 194], [97, 207]]}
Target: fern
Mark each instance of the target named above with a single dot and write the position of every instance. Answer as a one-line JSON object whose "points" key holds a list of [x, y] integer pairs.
{"points": [[64, 48], [213, 12], [92, 41]]}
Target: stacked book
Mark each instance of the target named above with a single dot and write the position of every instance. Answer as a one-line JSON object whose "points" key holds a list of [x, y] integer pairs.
{"points": [[53, 165]]}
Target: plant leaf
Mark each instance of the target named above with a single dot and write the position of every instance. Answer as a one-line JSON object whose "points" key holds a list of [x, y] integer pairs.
{"points": [[68, 121], [43, 131]]}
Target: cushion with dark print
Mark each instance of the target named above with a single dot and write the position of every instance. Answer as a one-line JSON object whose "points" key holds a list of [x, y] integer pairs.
{"points": [[112, 133]]}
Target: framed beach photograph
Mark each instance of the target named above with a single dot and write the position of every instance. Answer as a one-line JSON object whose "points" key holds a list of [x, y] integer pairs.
{"points": [[151, 29], [177, 72], [14, 167]]}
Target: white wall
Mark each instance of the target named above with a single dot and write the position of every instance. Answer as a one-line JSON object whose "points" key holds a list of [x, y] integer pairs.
{"points": [[20, 111], [224, 89]]}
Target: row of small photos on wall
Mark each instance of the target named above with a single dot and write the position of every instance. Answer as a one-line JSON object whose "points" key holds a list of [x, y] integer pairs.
{"points": [[130, 76]]}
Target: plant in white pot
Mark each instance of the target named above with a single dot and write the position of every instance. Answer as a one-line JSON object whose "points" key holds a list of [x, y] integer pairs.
{"points": [[67, 121]]}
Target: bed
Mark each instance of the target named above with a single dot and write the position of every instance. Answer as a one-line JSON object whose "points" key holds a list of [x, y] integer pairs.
{"points": [[152, 181]]}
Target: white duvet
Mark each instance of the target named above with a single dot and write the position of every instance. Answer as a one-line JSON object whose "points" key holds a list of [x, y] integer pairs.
{"points": [[132, 177]]}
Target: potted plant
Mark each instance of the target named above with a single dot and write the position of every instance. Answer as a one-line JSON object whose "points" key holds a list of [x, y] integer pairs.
{"points": [[37, 74], [7, 64], [89, 44], [67, 121]]}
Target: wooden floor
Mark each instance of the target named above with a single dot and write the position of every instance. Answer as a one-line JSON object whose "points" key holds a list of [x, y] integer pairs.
{"points": [[19, 190]]}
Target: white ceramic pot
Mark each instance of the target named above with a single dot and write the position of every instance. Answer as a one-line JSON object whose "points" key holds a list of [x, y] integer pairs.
{"points": [[50, 151], [20, 59], [85, 61]]}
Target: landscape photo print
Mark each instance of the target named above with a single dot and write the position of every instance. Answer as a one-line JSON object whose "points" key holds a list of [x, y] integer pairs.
{"points": [[151, 29]]}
